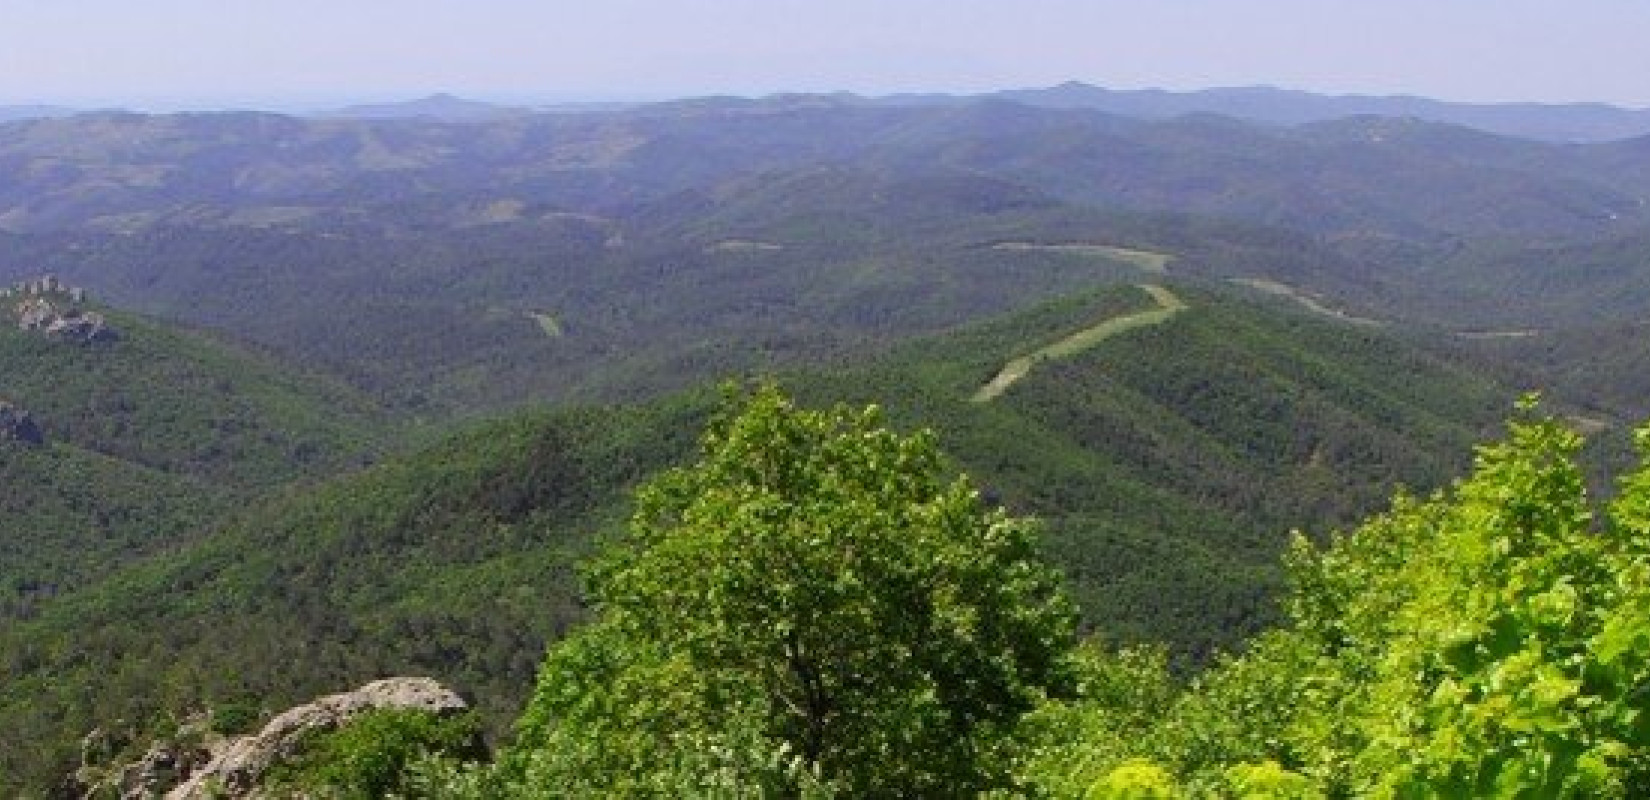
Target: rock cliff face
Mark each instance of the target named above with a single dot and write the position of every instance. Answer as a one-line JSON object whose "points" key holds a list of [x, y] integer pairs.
{"points": [[18, 425], [235, 766]]}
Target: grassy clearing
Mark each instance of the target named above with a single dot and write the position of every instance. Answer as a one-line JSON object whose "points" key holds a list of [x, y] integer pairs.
{"points": [[743, 246], [505, 210], [1306, 301], [1168, 305], [1147, 260], [547, 323], [1528, 333]]}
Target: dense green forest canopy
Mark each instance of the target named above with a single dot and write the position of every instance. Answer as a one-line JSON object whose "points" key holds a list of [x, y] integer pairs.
{"points": [[147, 441], [1492, 640], [456, 559]]}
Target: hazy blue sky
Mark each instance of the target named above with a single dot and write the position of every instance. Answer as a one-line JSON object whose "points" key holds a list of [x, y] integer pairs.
{"points": [[160, 53]]}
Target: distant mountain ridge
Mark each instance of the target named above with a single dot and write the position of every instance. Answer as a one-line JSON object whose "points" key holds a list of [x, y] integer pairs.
{"points": [[1565, 122], [703, 236], [1550, 122], [21, 112], [442, 107], [127, 172]]}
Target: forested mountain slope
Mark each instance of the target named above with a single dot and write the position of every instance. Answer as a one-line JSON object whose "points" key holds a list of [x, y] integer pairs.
{"points": [[617, 253], [754, 273], [146, 436], [1167, 459], [1167, 462]]}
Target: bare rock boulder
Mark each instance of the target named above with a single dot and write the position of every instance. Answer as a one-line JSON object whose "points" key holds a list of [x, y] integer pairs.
{"points": [[162, 767], [34, 314], [19, 425], [236, 766], [81, 326]]}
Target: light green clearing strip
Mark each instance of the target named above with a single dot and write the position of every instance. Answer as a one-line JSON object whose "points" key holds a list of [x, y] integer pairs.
{"points": [[1305, 301], [1527, 333], [547, 323], [1144, 259], [1168, 305], [743, 246]]}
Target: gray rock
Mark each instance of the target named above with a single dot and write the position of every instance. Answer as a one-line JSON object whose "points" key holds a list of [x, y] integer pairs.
{"points": [[159, 770], [81, 326], [237, 766], [68, 324], [18, 425], [35, 314]]}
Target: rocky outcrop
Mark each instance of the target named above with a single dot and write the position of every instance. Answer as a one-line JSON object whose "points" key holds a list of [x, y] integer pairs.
{"points": [[237, 765], [81, 326], [68, 324], [49, 306], [34, 314], [19, 426], [159, 770]]}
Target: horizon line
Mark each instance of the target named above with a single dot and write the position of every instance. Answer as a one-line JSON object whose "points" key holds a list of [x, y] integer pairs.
{"points": [[312, 102]]}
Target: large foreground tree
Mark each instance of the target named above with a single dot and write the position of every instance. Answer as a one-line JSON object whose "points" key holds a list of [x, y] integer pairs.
{"points": [[817, 605]]}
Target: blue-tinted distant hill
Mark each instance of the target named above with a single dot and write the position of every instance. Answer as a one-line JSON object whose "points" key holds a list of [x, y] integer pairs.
{"points": [[1566, 122], [551, 255], [612, 253], [19, 112], [440, 107]]}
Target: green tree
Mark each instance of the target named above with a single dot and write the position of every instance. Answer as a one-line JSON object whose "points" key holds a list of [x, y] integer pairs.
{"points": [[1491, 641], [1475, 642], [369, 757], [815, 605]]}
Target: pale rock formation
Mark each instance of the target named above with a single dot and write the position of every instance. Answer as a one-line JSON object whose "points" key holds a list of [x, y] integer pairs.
{"points": [[236, 766]]}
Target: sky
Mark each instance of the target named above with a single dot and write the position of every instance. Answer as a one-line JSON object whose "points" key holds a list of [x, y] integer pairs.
{"points": [[162, 54]]}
